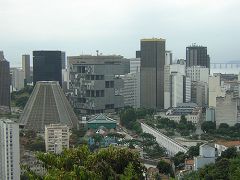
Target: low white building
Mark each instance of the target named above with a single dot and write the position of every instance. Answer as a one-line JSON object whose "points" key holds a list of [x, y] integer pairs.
{"points": [[191, 112], [224, 145], [9, 150], [56, 137], [206, 156]]}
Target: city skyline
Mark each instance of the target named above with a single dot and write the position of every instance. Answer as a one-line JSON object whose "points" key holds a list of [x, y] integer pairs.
{"points": [[115, 27]]}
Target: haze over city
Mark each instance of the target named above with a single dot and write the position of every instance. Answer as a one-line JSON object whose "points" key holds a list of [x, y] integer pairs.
{"points": [[115, 27]]}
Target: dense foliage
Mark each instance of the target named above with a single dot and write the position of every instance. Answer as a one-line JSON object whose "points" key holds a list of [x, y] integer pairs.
{"points": [[165, 168], [223, 131], [20, 98], [82, 164]]}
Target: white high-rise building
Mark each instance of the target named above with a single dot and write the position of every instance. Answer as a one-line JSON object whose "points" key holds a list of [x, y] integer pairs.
{"points": [[215, 90], [9, 150], [56, 138], [131, 89], [168, 57], [135, 64], [18, 77], [198, 73]]}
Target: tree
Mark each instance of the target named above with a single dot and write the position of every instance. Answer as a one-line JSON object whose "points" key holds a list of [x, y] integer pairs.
{"points": [[179, 158], [80, 163], [223, 126], [183, 120], [128, 117], [193, 151], [229, 153], [208, 126], [164, 167]]}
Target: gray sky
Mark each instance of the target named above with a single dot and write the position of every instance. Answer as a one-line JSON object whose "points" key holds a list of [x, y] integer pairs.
{"points": [[116, 26]]}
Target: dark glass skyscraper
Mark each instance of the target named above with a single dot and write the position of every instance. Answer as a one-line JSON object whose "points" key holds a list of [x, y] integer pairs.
{"points": [[4, 84], [197, 56], [47, 66], [152, 73]]}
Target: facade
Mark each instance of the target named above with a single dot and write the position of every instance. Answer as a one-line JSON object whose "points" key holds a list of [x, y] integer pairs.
{"points": [[197, 56], [191, 112], [131, 89], [227, 110], [9, 150], [224, 145], [215, 90], [47, 105], [4, 84], [18, 79], [198, 73], [95, 82], [210, 114], [135, 64], [47, 66], [199, 93], [101, 120], [207, 155], [56, 138], [168, 57], [174, 85], [26, 68], [63, 60], [152, 73]]}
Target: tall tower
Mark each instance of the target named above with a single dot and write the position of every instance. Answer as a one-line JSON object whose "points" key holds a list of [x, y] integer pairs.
{"points": [[152, 73], [26, 67], [47, 66], [9, 150], [4, 84], [197, 56]]}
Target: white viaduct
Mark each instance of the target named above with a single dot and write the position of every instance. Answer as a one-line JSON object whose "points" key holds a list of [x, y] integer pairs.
{"points": [[172, 146]]}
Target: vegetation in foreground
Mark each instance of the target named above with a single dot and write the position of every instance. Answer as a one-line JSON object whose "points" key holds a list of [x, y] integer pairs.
{"points": [[82, 164]]}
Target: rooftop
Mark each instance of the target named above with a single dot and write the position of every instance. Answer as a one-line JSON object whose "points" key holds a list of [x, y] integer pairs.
{"points": [[229, 143], [153, 39]]}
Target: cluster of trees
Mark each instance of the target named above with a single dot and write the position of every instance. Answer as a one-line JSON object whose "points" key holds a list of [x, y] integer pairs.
{"points": [[151, 147], [184, 127], [20, 98], [223, 131], [82, 164], [31, 141], [227, 167]]}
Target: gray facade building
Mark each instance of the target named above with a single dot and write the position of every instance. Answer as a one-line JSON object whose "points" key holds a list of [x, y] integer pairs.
{"points": [[5, 82], [26, 68], [197, 56], [95, 82], [63, 59], [152, 73]]}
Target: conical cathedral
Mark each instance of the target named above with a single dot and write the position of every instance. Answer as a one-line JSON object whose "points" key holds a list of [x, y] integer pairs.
{"points": [[47, 105]]}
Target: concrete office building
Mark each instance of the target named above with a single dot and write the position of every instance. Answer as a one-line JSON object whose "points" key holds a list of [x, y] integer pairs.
{"points": [[9, 150], [4, 84], [56, 138], [199, 93], [227, 110], [63, 59], [215, 90], [135, 64], [210, 114], [26, 68], [177, 88], [47, 105], [95, 82], [18, 78], [168, 57], [197, 56], [152, 73], [198, 73], [131, 89], [47, 66]]}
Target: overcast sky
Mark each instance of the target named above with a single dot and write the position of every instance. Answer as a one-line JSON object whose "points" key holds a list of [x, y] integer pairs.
{"points": [[116, 26]]}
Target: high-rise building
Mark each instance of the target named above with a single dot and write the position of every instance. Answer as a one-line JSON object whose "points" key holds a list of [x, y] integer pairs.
{"points": [[135, 65], [56, 138], [152, 73], [215, 89], [4, 84], [199, 93], [63, 59], [17, 79], [168, 57], [47, 105], [9, 150], [26, 68], [198, 73], [95, 82], [197, 56], [47, 66]]}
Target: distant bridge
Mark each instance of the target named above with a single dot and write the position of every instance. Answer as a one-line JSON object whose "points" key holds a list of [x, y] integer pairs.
{"points": [[225, 65]]}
